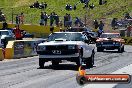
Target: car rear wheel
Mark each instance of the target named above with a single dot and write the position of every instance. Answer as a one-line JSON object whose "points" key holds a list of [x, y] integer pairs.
{"points": [[41, 63], [123, 49]]}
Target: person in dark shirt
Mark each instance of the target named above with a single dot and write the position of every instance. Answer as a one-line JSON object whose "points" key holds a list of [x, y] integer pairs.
{"points": [[65, 20], [17, 19], [114, 23], [56, 17], [51, 18], [42, 18], [36, 4], [45, 16], [127, 16], [96, 24], [5, 25]]}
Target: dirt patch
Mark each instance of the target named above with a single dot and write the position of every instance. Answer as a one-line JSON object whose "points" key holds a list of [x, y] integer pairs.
{"points": [[22, 3]]}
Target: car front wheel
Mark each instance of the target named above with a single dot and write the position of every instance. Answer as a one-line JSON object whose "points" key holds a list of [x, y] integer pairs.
{"points": [[41, 63], [120, 50], [79, 60], [90, 61], [54, 62]]}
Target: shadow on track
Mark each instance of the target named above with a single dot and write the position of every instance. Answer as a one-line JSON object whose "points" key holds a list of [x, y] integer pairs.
{"points": [[64, 67], [109, 51]]}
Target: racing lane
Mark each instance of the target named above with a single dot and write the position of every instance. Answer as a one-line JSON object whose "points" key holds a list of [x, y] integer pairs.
{"points": [[24, 73]]}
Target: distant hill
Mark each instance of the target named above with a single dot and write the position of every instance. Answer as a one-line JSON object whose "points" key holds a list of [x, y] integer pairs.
{"points": [[113, 8]]}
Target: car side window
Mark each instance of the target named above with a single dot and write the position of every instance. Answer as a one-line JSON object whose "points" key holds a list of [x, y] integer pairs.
{"points": [[84, 37]]}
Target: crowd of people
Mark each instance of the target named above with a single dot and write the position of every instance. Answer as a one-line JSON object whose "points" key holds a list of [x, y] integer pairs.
{"points": [[124, 22], [99, 26], [20, 18], [42, 5], [54, 19]]}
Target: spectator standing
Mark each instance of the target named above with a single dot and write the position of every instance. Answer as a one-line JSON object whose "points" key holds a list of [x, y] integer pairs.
{"points": [[75, 7], [51, 18], [100, 2], [127, 16], [95, 24], [67, 6], [45, 16], [129, 29], [101, 25], [65, 20], [17, 33], [42, 6], [5, 25], [114, 23], [17, 19], [76, 21], [36, 4], [22, 18], [69, 20], [56, 17], [42, 18], [100, 31], [45, 5], [3, 17], [86, 3]]}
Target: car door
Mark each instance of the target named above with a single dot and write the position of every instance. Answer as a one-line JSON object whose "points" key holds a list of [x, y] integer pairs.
{"points": [[87, 50]]}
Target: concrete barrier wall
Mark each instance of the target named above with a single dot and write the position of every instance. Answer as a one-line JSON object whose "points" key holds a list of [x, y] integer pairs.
{"points": [[37, 30], [128, 40], [1, 54], [21, 48]]}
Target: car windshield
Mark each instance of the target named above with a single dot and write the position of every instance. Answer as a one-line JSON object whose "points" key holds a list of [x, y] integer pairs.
{"points": [[67, 36], [4, 33], [110, 36]]}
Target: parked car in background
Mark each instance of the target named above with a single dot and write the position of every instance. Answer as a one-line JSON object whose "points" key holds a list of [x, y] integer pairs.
{"points": [[5, 36], [70, 46], [110, 41], [26, 34]]}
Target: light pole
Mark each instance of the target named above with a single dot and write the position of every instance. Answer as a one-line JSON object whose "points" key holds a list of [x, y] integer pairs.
{"points": [[87, 9], [12, 14], [85, 17]]}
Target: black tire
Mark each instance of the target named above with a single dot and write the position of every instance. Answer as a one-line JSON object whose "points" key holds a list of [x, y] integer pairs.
{"points": [[90, 61], [41, 63], [79, 60], [122, 49], [100, 49], [54, 63], [81, 80]]}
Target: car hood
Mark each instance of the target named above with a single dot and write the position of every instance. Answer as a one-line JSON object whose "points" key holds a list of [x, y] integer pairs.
{"points": [[113, 39], [61, 43]]}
